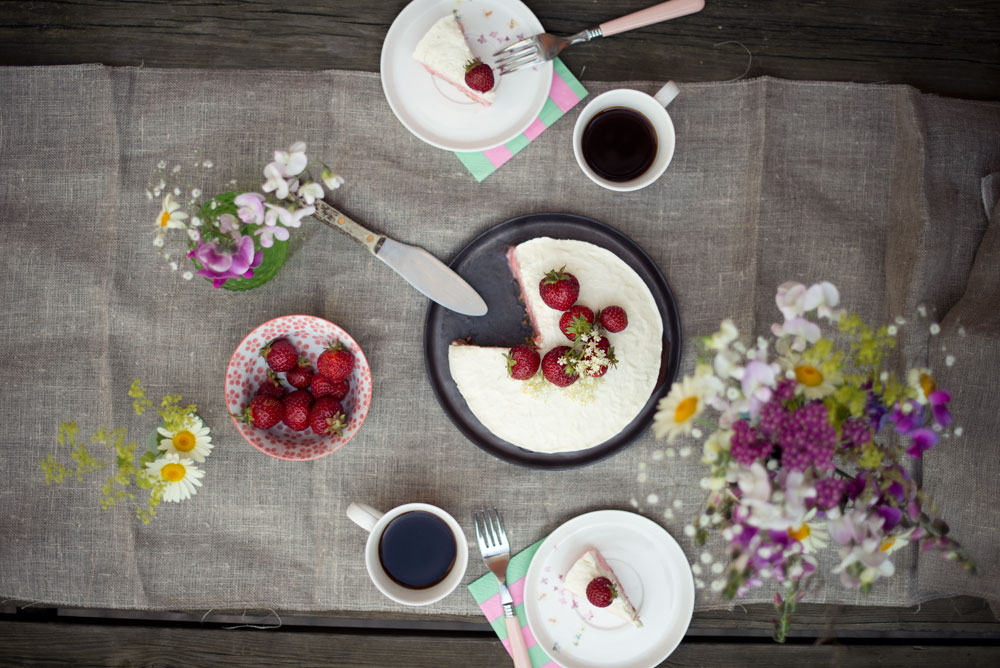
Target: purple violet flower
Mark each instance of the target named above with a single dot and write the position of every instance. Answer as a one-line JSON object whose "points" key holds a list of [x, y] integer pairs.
{"points": [[938, 400], [220, 263]]}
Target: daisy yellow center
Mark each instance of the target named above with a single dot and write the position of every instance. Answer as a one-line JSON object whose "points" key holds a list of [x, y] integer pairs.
{"points": [[173, 472], [801, 533], [886, 544], [164, 218], [808, 375], [184, 441], [927, 384], [685, 409]]}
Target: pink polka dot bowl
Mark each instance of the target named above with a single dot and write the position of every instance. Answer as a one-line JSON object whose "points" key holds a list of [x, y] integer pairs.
{"points": [[247, 370]]}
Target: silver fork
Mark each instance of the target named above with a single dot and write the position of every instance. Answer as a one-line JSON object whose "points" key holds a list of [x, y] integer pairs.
{"points": [[544, 47], [495, 548]]}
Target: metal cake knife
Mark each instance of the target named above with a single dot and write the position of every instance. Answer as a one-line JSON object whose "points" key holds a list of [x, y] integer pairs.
{"points": [[421, 269]]}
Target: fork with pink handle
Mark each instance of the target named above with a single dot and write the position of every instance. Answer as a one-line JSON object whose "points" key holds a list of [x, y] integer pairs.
{"points": [[543, 47]]}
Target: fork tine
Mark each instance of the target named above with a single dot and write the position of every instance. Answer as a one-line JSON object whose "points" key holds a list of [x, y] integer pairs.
{"points": [[479, 536], [513, 58], [494, 539], [507, 69], [500, 531], [510, 54], [513, 46]]}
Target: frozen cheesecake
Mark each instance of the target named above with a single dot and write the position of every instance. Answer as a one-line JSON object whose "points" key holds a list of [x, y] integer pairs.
{"points": [[445, 53], [591, 579], [538, 415]]}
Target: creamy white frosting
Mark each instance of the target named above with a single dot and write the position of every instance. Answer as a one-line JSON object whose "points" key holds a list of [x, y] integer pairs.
{"points": [[444, 51], [537, 415], [591, 565]]}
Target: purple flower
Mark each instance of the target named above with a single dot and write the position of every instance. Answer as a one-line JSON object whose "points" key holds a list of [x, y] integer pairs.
{"points": [[808, 439], [938, 399], [890, 515], [220, 263], [745, 445], [856, 432], [921, 440], [829, 492]]}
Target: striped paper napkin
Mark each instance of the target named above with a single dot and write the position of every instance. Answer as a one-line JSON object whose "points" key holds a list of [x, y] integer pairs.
{"points": [[486, 591], [566, 91]]}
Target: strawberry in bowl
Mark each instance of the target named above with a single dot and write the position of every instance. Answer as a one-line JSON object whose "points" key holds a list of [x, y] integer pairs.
{"points": [[281, 361]]}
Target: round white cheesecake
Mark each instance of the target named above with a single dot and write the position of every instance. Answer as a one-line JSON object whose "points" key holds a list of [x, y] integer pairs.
{"points": [[537, 415]]}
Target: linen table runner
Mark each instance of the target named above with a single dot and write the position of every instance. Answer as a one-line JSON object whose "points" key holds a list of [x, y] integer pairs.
{"points": [[876, 188]]}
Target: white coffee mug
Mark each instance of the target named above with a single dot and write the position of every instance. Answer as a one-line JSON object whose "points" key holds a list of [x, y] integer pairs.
{"points": [[375, 523], [653, 107]]}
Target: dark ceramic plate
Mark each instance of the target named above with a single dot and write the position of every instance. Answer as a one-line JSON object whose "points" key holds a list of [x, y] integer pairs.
{"points": [[483, 264]]}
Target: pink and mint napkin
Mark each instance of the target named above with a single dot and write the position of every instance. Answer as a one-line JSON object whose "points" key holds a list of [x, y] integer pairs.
{"points": [[486, 591], [565, 92]]}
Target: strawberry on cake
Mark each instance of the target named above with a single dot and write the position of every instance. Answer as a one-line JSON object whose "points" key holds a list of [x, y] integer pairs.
{"points": [[446, 55], [592, 579], [597, 348]]}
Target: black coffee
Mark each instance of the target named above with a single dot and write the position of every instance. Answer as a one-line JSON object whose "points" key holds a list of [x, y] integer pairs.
{"points": [[619, 144], [417, 549]]}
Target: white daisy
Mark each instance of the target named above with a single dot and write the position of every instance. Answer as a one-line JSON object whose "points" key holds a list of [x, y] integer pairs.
{"points": [[193, 441], [180, 475], [811, 533], [815, 379], [676, 412], [170, 216], [921, 382]]}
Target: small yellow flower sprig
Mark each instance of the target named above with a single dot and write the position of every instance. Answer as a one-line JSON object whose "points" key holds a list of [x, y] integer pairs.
{"points": [[129, 467]]}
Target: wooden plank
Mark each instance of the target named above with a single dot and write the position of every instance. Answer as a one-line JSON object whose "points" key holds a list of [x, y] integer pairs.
{"points": [[53, 644], [962, 617], [945, 48]]}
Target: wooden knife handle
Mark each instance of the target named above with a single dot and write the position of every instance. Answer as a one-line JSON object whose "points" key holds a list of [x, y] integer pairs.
{"points": [[330, 216]]}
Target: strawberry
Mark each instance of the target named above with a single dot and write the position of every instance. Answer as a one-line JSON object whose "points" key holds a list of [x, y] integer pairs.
{"points": [[336, 363], [577, 320], [479, 76], [559, 289], [613, 318], [556, 373], [264, 412], [271, 387], [522, 362], [301, 375], [601, 591], [281, 355], [340, 390], [600, 349], [327, 416], [297, 405]]}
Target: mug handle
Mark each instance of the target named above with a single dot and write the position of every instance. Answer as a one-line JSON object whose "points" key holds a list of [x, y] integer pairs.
{"points": [[364, 515], [667, 94]]}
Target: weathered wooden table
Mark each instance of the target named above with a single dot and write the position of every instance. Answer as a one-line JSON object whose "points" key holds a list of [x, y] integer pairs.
{"points": [[951, 49]]}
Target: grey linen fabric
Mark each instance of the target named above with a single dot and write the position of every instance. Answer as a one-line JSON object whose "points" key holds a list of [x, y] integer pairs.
{"points": [[877, 188]]}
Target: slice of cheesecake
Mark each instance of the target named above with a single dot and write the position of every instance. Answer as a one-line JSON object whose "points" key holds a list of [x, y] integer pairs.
{"points": [[593, 580], [444, 52]]}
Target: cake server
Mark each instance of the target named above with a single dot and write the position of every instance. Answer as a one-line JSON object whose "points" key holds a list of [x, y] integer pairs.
{"points": [[542, 47], [422, 270], [495, 548]]}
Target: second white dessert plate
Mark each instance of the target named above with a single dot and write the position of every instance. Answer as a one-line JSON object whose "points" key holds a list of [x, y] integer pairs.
{"points": [[436, 111], [653, 571]]}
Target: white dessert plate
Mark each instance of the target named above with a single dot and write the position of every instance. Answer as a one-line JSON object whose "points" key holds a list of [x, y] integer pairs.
{"points": [[436, 111], [653, 571]]}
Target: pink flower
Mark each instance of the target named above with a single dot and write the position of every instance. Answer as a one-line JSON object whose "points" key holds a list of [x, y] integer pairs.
{"points": [[251, 208], [220, 263]]}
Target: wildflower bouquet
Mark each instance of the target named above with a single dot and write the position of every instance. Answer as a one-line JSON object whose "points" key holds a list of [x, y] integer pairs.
{"points": [[808, 446], [168, 469], [237, 240]]}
